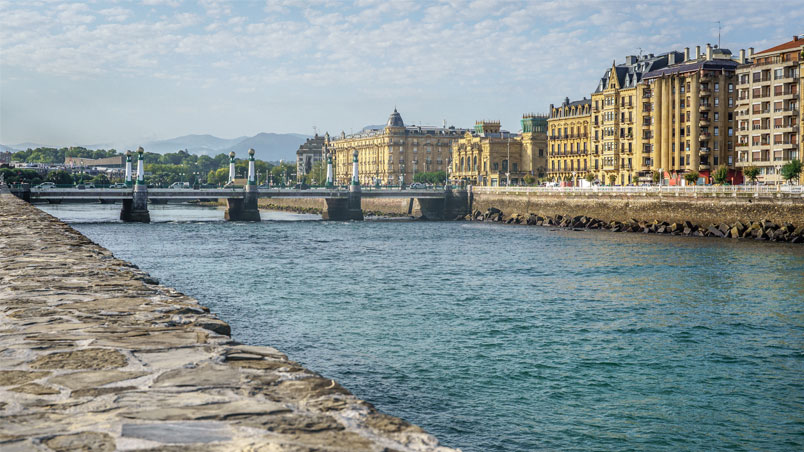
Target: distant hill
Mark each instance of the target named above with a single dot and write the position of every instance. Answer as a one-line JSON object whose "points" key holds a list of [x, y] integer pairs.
{"points": [[269, 146]]}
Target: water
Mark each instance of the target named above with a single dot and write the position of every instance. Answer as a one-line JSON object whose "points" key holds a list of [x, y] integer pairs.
{"points": [[502, 338]]}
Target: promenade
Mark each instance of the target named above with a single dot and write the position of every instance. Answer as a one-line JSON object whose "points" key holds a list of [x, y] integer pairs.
{"points": [[95, 355]]}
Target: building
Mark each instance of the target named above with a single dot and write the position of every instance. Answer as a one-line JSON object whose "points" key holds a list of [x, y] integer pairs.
{"points": [[308, 154], [618, 139], [395, 153], [114, 161], [534, 144], [484, 156], [769, 98], [689, 109], [569, 141], [5, 157]]}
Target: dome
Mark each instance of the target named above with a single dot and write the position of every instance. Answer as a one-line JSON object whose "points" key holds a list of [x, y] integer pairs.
{"points": [[395, 120]]}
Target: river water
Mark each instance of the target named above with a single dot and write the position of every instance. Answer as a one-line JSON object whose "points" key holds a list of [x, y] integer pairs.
{"points": [[505, 338]]}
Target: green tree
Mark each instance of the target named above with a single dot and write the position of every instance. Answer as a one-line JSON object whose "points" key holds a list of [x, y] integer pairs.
{"points": [[692, 177], [590, 177], [751, 173], [60, 177], [791, 171], [530, 180], [17, 176], [656, 177], [721, 175], [100, 179], [612, 179]]}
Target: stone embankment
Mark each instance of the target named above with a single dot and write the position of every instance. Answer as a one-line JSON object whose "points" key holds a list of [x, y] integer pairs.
{"points": [[95, 355], [758, 230], [387, 207]]}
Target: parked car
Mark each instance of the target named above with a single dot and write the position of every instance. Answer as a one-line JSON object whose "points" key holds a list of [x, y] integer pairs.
{"points": [[118, 186], [45, 186], [180, 185], [416, 185]]}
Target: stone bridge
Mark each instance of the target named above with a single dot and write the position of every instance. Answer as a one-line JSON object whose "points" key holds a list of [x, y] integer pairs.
{"points": [[342, 204]]}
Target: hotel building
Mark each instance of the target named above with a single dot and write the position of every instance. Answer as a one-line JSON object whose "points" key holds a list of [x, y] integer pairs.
{"points": [[620, 128], [690, 111], [569, 140], [395, 153], [769, 121]]}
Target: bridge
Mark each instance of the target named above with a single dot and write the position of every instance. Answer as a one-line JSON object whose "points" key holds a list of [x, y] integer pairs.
{"points": [[341, 203], [242, 205]]}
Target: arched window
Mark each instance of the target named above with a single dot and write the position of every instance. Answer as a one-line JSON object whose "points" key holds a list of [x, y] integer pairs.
{"points": [[463, 165], [474, 163]]}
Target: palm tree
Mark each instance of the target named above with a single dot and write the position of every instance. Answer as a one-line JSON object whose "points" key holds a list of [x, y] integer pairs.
{"points": [[692, 177], [751, 172]]}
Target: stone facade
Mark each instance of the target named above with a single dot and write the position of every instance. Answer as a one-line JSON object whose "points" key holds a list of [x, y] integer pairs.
{"points": [[309, 153], [769, 128], [569, 141], [489, 156], [395, 153]]}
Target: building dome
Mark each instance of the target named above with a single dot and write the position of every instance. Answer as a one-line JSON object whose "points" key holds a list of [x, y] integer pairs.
{"points": [[395, 120]]}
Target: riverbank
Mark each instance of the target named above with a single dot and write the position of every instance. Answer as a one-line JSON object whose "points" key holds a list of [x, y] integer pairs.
{"points": [[97, 355]]}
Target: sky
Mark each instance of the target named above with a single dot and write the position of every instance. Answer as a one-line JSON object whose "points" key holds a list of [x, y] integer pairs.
{"points": [[82, 73]]}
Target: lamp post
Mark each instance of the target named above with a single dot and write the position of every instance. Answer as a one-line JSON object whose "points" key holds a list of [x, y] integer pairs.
{"points": [[508, 164]]}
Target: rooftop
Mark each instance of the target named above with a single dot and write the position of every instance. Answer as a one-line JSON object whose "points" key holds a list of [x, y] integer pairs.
{"points": [[797, 42]]}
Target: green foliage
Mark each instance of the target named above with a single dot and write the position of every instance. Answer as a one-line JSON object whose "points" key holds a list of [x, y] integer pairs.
{"points": [[434, 177], [17, 175], [612, 179], [283, 174], [100, 179], [590, 177], [60, 177], [317, 174], [692, 177], [53, 155], [529, 180], [721, 174], [751, 173], [791, 170], [656, 177]]}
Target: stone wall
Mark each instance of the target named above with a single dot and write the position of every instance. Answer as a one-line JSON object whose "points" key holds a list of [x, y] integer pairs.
{"points": [[672, 209], [376, 206], [97, 355]]}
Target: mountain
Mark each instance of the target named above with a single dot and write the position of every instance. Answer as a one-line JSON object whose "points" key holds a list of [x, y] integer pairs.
{"points": [[195, 144], [270, 147]]}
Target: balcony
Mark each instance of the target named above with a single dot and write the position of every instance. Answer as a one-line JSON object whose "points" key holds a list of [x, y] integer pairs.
{"points": [[704, 122], [704, 150], [704, 136], [787, 94], [703, 107], [704, 92]]}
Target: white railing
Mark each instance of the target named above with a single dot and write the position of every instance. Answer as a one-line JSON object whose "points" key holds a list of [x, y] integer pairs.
{"points": [[649, 189]]}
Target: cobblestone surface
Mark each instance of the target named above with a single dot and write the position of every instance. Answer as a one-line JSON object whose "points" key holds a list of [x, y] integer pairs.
{"points": [[97, 356]]}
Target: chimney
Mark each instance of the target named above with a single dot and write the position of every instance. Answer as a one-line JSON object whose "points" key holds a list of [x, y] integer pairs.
{"points": [[742, 56], [795, 38], [671, 58], [686, 53], [697, 52], [708, 51], [750, 52]]}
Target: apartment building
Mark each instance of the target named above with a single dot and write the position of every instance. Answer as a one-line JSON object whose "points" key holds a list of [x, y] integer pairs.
{"points": [[569, 141]]}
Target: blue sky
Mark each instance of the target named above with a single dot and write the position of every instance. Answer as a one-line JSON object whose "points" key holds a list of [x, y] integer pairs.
{"points": [[122, 71]]}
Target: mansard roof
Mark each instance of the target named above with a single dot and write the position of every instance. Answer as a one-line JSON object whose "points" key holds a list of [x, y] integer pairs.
{"points": [[630, 73]]}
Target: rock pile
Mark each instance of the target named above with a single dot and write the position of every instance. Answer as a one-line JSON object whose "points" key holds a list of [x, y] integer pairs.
{"points": [[758, 230]]}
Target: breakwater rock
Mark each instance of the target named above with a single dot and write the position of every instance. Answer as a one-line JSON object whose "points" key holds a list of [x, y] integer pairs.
{"points": [[96, 355], [758, 230]]}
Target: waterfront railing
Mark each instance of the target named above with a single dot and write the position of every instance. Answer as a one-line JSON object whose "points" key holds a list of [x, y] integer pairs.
{"points": [[692, 190]]}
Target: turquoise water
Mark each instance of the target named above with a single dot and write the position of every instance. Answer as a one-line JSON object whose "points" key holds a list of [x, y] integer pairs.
{"points": [[506, 338]]}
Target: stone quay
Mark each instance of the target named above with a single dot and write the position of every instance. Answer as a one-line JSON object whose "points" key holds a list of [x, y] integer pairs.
{"points": [[95, 355]]}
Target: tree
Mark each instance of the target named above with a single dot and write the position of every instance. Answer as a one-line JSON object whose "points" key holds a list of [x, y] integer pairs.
{"points": [[530, 180], [692, 177], [751, 173], [656, 177], [721, 174], [612, 179], [792, 170], [60, 177], [100, 179], [590, 177]]}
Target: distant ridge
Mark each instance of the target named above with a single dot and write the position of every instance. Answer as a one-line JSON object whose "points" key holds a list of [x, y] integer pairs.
{"points": [[269, 146]]}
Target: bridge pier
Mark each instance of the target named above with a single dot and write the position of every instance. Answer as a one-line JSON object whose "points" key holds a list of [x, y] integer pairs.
{"points": [[343, 209], [135, 210], [245, 209], [453, 205]]}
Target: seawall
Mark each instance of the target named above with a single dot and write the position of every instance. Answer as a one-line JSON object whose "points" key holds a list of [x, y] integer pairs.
{"points": [[394, 207], [96, 355], [702, 210]]}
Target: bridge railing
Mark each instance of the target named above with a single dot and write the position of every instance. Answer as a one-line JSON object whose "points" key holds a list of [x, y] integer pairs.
{"points": [[653, 190]]}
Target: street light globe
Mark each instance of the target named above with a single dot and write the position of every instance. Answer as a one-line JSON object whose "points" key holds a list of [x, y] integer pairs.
{"points": [[128, 153], [140, 150], [232, 154], [251, 152]]}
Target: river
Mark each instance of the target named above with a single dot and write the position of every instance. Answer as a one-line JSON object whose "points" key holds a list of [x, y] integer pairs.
{"points": [[505, 338]]}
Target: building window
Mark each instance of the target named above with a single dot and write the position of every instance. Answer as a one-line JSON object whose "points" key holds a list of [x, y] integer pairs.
{"points": [[717, 131], [496, 166], [717, 87]]}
